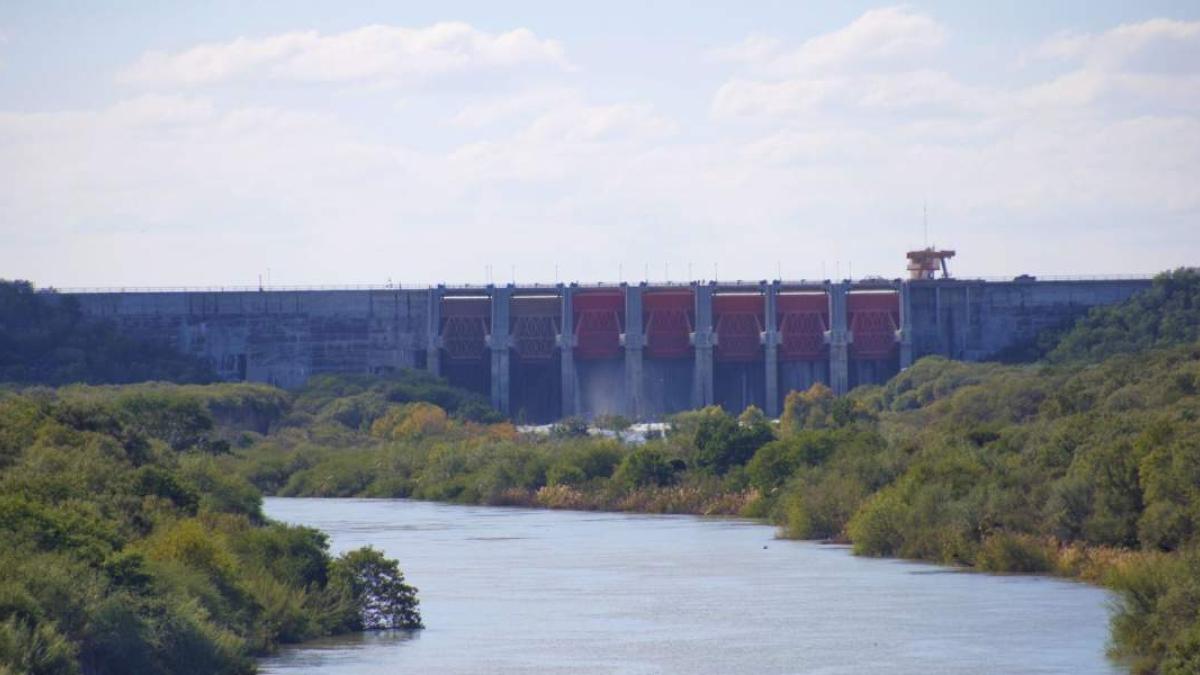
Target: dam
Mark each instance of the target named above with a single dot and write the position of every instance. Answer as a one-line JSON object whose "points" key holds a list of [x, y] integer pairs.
{"points": [[643, 350]]}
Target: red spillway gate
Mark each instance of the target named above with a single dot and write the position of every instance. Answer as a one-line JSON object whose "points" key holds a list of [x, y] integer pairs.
{"points": [[669, 317], [739, 326], [803, 319], [873, 320], [465, 324], [535, 326], [599, 320]]}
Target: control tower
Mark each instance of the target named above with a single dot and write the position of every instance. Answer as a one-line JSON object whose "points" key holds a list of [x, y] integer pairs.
{"points": [[924, 264]]}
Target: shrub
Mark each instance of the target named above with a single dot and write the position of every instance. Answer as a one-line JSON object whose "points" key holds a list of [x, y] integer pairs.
{"points": [[821, 508], [1013, 552], [411, 421], [1156, 620], [645, 466], [377, 589], [563, 473], [778, 460], [809, 409], [877, 528], [1167, 314], [722, 442], [36, 648]]}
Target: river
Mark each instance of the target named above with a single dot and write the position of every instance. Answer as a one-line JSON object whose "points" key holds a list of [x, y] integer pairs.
{"points": [[507, 590]]}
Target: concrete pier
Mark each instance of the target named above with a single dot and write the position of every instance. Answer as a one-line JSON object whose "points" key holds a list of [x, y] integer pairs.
{"points": [[839, 339], [499, 343], [770, 342], [703, 340], [633, 339], [566, 348], [906, 329], [433, 331]]}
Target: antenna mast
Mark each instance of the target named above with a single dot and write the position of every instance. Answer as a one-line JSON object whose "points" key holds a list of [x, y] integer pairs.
{"points": [[925, 221]]}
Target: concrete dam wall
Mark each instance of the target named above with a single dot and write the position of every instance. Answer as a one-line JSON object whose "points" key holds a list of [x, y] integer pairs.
{"points": [[642, 350]]}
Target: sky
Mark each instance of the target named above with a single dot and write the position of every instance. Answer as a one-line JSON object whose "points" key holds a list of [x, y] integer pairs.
{"points": [[317, 143]]}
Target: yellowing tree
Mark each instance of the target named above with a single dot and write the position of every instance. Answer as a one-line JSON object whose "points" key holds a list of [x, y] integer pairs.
{"points": [[807, 410], [415, 420]]}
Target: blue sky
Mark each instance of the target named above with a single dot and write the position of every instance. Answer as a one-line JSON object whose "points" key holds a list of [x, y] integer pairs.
{"points": [[173, 144]]}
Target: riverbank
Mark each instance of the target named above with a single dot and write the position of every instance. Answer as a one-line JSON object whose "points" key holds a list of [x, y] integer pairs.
{"points": [[1027, 554]]}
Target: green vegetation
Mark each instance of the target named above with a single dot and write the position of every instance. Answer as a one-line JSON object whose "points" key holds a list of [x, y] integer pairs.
{"points": [[1166, 315], [45, 339], [128, 548], [393, 446], [1086, 465]]}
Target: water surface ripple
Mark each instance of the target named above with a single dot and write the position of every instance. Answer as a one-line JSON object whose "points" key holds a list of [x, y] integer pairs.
{"points": [[528, 591]]}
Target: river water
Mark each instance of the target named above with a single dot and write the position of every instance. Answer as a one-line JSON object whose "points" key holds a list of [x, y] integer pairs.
{"points": [[508, 590]]}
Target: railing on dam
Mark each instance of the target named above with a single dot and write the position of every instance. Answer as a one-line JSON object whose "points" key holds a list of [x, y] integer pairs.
{"points": [[724, 283]]}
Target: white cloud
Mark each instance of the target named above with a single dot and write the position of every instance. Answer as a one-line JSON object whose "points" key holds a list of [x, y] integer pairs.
{"points": [[749, 98], [152, 109], [375, 52], [921, 91], [1149, 66], [520, 105], [565, 137], [879, 35], [583, 123], [556, 132], [756, 49], [1144, 68], [877, 63], [1117, 134], [814, 149], [1158, 44], [879, 38]]}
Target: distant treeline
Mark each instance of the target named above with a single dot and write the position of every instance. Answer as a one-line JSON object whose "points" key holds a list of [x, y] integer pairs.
{"points": [[45, 339]]}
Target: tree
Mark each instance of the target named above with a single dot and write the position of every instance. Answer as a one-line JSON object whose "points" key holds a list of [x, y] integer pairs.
{"points": [[411, 421], [377, 590], [1166, 314], [644, 466], [811, 409], [46, 338], [723, 442]]}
